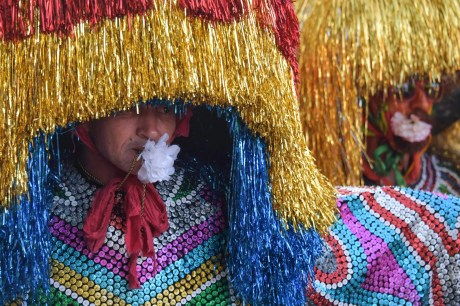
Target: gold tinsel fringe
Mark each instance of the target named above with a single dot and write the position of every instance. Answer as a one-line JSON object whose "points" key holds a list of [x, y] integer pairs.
{"points": [[47, 81], [352, 49]]}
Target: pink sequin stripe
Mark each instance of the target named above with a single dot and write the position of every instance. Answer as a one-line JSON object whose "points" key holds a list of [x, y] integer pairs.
{"points": [[189, 240], [376, 249], [116, 262]]}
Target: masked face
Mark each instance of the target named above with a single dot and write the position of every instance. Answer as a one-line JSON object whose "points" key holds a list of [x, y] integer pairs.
{"points": [[408, 114], [120, 138]]}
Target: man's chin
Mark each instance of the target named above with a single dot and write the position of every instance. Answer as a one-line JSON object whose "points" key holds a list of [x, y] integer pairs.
{"points": [[408, 147]]}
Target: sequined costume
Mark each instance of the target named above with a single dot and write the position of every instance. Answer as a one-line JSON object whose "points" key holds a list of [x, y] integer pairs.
{"points": [[391, 246], [438, 175], [189, 267]]}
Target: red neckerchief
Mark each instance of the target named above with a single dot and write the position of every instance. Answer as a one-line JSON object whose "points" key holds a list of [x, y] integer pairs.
{"points": [[143, 222], [145, 210]]}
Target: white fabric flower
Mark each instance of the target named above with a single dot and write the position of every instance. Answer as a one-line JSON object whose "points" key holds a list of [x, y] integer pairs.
{"points": [[411, 129], [158, 161]]}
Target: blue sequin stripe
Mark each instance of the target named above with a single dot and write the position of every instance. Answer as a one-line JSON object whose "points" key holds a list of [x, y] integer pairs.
{"points": [[393, 240], [353, 246], [209, 248], [448, 207]]}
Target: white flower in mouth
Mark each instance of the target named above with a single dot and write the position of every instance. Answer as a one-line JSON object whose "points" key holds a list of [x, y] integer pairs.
{"points": [[411, 129], [158, 161]]}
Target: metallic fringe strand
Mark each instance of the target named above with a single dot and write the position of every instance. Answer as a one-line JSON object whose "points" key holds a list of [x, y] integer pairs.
{"points": [[268, 264], [51, 80], [24, 236], [352, 49]]}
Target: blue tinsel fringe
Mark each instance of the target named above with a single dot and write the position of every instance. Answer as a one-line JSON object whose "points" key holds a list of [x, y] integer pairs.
{"points": [[24, 235], [268, 264]]}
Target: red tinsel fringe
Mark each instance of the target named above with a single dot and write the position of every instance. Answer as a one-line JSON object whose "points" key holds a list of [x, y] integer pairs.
{"points": [[278, 15], [285, 26], [215, 10], [61, 16]]}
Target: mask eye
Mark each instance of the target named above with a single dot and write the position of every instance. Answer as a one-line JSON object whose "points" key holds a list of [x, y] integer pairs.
{"points": [[404, 91], [433, 90]]}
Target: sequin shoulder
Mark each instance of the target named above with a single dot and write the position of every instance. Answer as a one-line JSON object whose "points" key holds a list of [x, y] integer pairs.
{"points": [[391, 246]]}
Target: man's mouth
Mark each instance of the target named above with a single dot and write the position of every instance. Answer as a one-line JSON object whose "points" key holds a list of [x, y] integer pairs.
{"points": [[138, 150]]}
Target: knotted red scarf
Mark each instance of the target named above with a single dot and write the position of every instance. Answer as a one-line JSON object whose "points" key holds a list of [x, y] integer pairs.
{"points": [[146, 218]]}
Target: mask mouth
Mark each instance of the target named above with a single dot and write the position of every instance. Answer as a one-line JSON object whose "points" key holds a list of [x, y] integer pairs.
{"points": [[412, 133], [414, 128]]}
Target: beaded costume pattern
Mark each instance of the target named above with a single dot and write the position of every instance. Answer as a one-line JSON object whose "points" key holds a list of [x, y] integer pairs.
{"points": [[391, 246], [189, 266]]}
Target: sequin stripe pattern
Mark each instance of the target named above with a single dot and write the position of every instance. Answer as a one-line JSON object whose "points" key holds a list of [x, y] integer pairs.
{"points": [[391, 246], [438, 176], [189, 267]]}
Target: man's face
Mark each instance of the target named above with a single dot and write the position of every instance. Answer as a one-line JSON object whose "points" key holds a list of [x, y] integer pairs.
{"points": [[120, 138]]}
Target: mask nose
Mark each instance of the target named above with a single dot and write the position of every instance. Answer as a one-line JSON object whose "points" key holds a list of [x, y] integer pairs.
{"points": [[421, 101]]}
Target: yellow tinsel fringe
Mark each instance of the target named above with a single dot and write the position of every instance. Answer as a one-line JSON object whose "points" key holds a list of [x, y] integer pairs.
{"points": [[49, 81], [352, 49]]}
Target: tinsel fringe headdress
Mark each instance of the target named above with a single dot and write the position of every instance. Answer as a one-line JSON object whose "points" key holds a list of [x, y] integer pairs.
{"points": [[74, 60], [352, 49]]}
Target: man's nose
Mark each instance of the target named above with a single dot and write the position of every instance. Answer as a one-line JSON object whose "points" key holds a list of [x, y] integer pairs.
{"points": [[149, 127]]}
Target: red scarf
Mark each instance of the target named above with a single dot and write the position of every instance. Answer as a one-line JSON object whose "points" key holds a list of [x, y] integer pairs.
{"points": [[142, 223], [145, 218]]}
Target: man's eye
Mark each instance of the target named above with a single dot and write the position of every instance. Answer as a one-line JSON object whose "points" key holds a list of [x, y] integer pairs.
{"points": [[163, 109], [125, 113]]}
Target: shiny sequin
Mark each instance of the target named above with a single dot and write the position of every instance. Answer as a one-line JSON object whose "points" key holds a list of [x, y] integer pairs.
{"points": [[189, 266], [438, 176], [391, 246]]}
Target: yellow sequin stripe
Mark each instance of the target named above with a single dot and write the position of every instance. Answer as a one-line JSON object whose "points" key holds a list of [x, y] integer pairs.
{"points": [[189, 284], [352, 49], [83, 286], [49, 81]]}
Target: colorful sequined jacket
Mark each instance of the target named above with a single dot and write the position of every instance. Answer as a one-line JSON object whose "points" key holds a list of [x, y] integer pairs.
{"points": [[391, 246], [189, 266]]}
